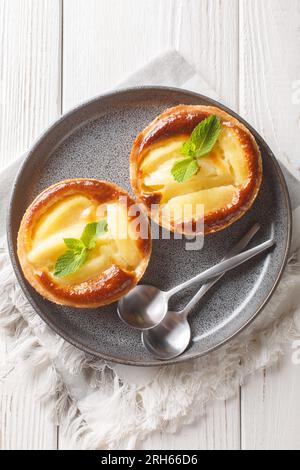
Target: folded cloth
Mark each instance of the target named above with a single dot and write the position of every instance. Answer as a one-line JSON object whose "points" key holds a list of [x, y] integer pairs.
{"points": [[113, 406]]}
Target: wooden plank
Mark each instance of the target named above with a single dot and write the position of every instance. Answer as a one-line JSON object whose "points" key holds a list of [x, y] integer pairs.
{"points": [[26, 421], [105, 41], [29, 72], [270, 73], [216, 430], [269, 66], [30, 35], [274, 422]]}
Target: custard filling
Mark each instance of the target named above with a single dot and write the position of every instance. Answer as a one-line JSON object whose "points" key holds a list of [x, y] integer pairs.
{"points": [[222, 173], [67, 219]]}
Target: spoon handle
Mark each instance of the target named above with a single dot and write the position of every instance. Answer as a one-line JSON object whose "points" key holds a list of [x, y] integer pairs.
{"points": [[223, 267], [237, 248]]}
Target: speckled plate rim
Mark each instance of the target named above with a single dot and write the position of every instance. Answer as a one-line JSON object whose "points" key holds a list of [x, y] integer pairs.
{"points": [[18, 179]]}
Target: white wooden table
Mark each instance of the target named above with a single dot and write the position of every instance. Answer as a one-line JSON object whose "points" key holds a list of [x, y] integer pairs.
{"points": [[56, 53]]}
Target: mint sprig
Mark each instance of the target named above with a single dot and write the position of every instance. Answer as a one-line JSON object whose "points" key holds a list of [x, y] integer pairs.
{"points": [[202, 140], [78, 249], [70, 262], [185, 169], [91, 233]]}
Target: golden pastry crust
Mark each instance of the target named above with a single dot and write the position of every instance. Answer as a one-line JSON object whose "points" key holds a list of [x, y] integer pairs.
{"points": [[116, 265], [226, 185]]}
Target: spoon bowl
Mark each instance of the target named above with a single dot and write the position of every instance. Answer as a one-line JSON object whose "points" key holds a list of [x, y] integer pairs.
{"points": [[144, 307], [170, 339]]}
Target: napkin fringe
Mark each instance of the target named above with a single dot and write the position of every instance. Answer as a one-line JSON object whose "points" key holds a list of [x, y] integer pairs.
{"points": [[116, 415]]}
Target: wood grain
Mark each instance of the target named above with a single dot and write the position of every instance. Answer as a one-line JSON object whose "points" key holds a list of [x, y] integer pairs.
{"points": [[105, 41], [29, 72], [26, 421], [269, 63], [30, 43], [274, 422], [270, 71], [217, 430]]}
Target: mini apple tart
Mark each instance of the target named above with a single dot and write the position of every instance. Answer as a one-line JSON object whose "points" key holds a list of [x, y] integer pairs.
{"points": [[196, 169], [80, 243]]}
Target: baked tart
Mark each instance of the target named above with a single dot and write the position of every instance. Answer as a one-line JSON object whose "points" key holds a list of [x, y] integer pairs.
{"points": [[196, 169], [79, 243]]}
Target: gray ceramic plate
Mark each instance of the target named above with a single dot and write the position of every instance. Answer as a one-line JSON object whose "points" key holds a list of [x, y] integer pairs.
{"points": [[94, 140]]}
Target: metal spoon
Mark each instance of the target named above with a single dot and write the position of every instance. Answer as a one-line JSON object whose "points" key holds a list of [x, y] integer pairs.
{"points": [[146, 306], [172, 336]]}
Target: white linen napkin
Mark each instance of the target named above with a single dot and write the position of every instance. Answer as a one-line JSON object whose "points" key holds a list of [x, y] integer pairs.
{"points": [[113, 406]]}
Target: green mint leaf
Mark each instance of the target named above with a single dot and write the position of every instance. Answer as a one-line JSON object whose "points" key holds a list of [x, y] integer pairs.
{"points": [[184, 169], [205, 135], [202, 140], [91, 233], [188, 148], [74, 244], [102, 227], [77, 253], [70, 262]]}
